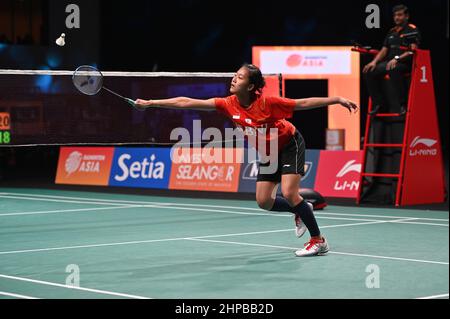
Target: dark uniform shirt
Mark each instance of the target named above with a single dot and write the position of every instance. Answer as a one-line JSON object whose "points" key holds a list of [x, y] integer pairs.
{"points": [[401, 36]]}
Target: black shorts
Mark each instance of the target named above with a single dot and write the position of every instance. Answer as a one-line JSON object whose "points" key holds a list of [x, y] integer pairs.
{"points": [[291, 160]]}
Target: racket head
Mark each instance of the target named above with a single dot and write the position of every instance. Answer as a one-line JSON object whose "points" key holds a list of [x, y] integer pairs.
{"points": [[88, 80]]}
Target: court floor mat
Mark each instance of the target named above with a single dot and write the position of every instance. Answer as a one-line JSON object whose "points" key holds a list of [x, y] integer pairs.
{"points": [[66, 244]]}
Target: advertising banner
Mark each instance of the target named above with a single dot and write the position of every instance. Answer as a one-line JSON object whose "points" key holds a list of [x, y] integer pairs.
{"points": [[194, 169], [141, 168], [338, 173], [249, 173], [84, 165]]}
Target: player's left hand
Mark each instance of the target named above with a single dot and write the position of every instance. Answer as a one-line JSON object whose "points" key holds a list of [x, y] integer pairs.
{"points": [[350, 105], [391, 65]]}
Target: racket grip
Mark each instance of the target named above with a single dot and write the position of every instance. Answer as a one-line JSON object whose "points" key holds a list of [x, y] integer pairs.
{"points": [[131, 102]]}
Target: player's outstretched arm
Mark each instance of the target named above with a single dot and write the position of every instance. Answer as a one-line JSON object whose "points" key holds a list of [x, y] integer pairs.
{"points": [[317, 102], [178, 103]]}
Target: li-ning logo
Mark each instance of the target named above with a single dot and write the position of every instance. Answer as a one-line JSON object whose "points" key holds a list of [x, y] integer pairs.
{"points": [[427, 148], [349, 167], [346, 184]]}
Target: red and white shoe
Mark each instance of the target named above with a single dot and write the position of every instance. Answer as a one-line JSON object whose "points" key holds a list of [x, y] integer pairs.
{"points": [[300, 227], [314, 248]]}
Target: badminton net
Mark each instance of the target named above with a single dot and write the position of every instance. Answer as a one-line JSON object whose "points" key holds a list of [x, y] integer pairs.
{"points": [[45, 108]]}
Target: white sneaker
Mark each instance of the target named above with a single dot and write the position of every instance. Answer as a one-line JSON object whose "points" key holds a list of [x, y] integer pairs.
{"points": [[300, 227], [314, 248]]}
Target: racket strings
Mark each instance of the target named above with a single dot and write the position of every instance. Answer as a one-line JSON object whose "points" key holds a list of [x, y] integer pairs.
{"points": [[88, 80]]}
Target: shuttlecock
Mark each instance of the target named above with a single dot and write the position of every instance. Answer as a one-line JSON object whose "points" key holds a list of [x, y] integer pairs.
{"points": [[61, 41]]}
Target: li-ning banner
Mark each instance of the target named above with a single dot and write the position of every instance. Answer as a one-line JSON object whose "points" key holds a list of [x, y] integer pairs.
{"points": [[424, 180], [338, 173]]}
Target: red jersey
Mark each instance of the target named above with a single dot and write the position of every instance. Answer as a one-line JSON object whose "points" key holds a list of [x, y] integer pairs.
{"points": [[264, 112]]}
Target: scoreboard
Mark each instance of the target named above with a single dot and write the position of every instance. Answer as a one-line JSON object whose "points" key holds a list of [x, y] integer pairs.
{"points": [[5, 128]]}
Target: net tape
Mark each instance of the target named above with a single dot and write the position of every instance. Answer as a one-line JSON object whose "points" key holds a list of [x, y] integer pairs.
{"points": [[124, 74]]}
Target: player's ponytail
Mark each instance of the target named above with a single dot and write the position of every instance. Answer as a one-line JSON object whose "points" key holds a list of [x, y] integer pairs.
{"points": [[255, 77]]}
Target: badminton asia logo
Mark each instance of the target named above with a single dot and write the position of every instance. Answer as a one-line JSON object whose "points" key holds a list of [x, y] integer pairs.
{"points": [[423, 147], [73, 162], [342, 184], [298, 60], [84, 165], [77, 162]]}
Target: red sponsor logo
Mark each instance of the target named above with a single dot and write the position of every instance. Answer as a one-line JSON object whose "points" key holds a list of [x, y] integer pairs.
{"points": [[338, 173], [294, 60], [298, 60], [423, 147]]}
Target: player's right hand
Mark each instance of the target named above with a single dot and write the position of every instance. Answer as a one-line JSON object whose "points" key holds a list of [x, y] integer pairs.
{"points": [[369, 67], [142, 104]]}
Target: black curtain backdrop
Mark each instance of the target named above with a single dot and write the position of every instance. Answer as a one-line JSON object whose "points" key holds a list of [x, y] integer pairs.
{"points": [[211, 36], [196, 35]]}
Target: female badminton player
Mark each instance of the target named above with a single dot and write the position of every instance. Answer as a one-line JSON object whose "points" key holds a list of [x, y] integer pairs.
{"points": [[248, 108]]}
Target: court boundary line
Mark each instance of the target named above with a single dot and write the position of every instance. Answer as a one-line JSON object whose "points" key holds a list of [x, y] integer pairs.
{"points": [[137, 242], [210, 206], [268, 214], [65, 211], [195, 210], [97, 291], [434, 297], [17, 296], [231, 235], [330, 252], [57, 200]]}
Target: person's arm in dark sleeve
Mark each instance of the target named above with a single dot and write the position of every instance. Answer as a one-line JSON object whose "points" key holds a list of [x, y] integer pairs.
{"points": [[414, 43], [378, 58]]}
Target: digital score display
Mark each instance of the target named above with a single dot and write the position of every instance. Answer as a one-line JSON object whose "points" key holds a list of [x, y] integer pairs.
{"points": [[5, 128]]}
